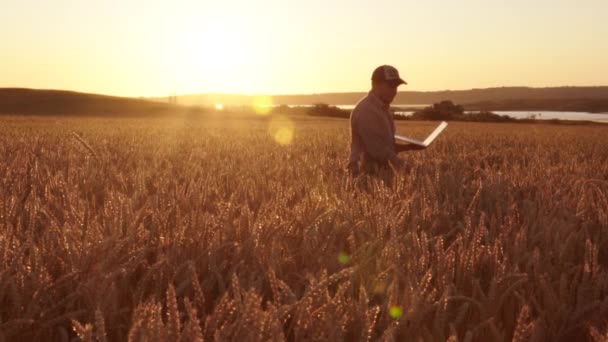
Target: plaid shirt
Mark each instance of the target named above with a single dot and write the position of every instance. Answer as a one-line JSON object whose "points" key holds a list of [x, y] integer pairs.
{"points": [[372, 131]]}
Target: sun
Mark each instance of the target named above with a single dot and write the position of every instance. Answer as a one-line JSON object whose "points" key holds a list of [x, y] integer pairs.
{"points": [[219, 50], [219, 106]]}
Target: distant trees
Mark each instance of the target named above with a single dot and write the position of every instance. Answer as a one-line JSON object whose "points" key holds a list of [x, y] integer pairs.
{"points": [[281, 109], [323, 109], [447, 110], [444, 110], [484, 116]]}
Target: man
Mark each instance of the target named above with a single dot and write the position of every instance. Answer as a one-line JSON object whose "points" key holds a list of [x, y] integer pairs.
{"points": [[372, 127]]}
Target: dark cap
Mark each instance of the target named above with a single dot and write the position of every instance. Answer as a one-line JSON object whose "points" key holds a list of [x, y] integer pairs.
{"points": [[388, 74]]}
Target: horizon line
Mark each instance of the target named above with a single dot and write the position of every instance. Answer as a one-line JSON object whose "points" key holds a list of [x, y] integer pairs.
{"points": [[290, 94]]}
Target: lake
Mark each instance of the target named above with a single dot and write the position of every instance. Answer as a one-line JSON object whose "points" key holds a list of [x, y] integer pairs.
{"points": [[547, 115], [349, 107], [538, 114], [542, 115]]}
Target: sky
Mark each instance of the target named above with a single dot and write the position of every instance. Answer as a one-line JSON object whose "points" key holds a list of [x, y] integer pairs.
{"points": [[149, 48]]}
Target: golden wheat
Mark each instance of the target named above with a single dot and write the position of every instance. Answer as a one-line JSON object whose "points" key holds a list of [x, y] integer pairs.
{"points": [[208, 229]]}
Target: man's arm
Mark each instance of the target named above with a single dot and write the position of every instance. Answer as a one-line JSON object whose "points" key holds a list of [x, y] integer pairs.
{"points": [[408, 147], [375, 135]]}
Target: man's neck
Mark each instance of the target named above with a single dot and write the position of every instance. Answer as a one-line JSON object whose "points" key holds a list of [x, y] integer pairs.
{"points": [[376, 97]]}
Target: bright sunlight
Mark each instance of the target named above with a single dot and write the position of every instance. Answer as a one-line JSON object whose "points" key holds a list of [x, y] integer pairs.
{"points": [[218, 50]]}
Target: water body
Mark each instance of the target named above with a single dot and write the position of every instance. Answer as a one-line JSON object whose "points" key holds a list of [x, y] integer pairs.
{"points": [[349, 107], [547, 115], [542, 115], [538, 115]]}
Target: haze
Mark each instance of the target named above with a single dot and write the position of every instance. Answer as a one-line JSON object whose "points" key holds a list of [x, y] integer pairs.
{"points": [[144, 48]]}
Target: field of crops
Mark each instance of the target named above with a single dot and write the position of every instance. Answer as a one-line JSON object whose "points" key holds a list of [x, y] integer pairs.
{"points": [[249, 229]]}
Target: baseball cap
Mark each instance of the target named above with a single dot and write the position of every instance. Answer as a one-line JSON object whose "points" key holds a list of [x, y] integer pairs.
{"points": [[388, 74]]}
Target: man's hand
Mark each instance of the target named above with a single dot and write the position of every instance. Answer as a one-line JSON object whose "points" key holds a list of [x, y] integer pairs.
{"points": [[353, 168], [408, 147], [396, 162]]}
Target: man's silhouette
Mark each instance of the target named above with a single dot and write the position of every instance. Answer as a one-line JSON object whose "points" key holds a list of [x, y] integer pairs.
{"points": [[372, 128]]}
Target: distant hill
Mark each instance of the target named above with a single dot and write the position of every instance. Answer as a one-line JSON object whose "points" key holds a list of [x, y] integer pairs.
{"points": [[59, 102], [464, 97]]}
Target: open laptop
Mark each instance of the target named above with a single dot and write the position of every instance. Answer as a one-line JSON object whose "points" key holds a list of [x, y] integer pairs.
{"points": [[428, 139]]}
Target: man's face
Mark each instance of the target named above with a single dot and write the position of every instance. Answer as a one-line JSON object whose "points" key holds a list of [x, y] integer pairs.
{"points": [[386, 91]]}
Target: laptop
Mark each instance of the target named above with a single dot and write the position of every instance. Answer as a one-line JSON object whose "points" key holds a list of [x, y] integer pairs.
{"points": [[428, 139]]}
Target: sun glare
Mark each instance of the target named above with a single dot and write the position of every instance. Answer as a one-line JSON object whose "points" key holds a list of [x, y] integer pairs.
{"points": [[218, 49], [282, 130], [219, 106], [262, 105]]}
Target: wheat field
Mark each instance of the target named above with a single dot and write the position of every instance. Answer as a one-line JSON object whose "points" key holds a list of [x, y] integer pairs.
{"points": [[248, 229]]}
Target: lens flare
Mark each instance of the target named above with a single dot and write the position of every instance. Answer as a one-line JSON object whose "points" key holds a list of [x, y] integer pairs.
{"points": [[395, 312], [262, 105], [282, 130], [284, 135], [343, 258]]}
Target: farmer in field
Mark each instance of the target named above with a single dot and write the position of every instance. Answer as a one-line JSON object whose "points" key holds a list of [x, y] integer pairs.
{"points": [[373, 149]]}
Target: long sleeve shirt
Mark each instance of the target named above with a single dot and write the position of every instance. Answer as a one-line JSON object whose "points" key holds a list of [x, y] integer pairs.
{"points": [[372, 131]]}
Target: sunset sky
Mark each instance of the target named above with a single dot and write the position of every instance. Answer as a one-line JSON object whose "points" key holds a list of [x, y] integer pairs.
{"points": [[147, 48]]}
